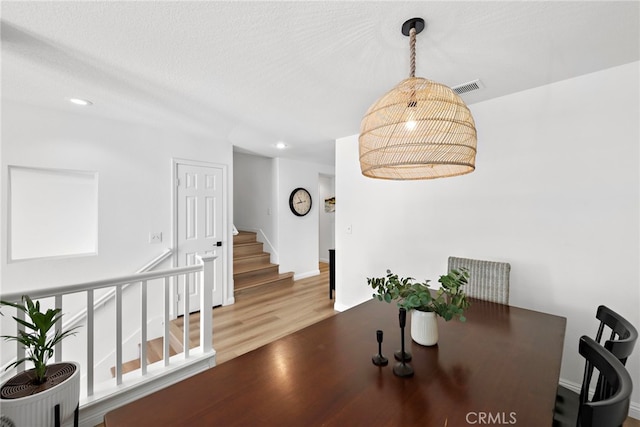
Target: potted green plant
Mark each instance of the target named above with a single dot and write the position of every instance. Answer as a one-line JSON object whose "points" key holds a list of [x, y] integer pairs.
{"points": [[424, 303], [30, 397]]}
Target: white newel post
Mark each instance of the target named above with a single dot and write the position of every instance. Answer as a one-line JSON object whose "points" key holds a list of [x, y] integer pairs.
{"points": [[206, 301]]}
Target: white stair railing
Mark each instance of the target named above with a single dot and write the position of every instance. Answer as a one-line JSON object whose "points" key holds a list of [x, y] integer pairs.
{"points": [[204, 267], [82, 314]]}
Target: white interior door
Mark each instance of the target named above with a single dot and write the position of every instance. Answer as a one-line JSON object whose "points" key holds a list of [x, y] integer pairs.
{"points": [[199, 228]]}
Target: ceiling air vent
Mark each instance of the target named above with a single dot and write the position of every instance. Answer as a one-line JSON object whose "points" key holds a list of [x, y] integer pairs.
{"points": [[468, 87]]}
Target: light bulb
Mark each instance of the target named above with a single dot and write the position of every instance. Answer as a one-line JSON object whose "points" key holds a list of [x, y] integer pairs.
{"points": [[79, 101], [410, 125]]}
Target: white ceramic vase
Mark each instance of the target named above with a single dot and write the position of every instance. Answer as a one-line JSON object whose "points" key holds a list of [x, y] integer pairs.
{"points": [[424, 327], [38, 409]]}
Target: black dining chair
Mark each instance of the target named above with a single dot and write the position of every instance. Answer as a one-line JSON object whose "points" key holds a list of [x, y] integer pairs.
{"points": [[623, 334], [621, 342], [608, 407]]}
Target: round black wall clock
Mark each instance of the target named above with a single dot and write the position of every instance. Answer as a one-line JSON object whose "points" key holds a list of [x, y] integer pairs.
{"points": [[300, 202]]}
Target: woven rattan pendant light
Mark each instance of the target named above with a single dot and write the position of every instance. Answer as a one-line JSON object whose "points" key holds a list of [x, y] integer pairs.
{"points": [[419, 130]]}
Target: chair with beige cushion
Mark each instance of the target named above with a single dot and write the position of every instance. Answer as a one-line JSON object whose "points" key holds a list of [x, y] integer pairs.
{"points": [[488, 280]]}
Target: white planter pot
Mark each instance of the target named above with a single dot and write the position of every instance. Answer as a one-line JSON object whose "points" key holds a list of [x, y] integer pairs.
{"points": [[424, 327], [39, 409]]}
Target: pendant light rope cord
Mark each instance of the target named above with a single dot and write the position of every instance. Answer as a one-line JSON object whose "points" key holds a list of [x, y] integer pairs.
{"points": [[412, 47]]}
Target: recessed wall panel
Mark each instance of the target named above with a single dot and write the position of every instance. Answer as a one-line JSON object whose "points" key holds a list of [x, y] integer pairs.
{"points": [[52, 213]]}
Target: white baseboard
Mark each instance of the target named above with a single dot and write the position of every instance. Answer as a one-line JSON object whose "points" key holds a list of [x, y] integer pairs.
{"points": [[306, 274], [325, 260], [340, 307], [634, 407], [634, 410], [575, 387]]}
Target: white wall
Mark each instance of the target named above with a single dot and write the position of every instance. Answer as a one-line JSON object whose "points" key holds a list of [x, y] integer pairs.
{"points": [[253, 199], [555, 193], [327, 220], [261, 203], [298, 236], [134, 167]]}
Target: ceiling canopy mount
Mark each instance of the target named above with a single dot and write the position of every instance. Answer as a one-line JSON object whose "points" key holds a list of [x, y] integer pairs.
{"points": [[417, 23]]}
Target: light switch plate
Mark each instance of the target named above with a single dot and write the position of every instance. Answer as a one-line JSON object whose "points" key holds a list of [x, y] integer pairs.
{"points": [[155, 237]]}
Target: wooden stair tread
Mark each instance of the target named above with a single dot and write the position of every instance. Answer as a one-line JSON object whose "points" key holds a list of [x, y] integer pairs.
{"points": [[155, 350], [247, 249], [258, 255], [251, 282], [241, 244], [244, 236], [251, 265], [175, 337], [254, 266], [250, 257], [129, 366]]}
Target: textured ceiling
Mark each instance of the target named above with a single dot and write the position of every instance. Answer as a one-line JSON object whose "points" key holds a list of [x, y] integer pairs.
{"points": [[254, 73]]}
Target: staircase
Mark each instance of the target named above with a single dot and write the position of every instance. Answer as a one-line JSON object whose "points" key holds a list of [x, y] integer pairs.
{"points": [[252, 267], [155, 347]]}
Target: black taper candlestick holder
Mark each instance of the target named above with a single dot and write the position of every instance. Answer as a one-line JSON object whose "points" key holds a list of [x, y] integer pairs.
{"points": [[401, 368], [379, 359], [401, 355]]}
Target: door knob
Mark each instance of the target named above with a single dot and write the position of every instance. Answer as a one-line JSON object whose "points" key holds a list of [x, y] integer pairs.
{"points": [[218, 244]]}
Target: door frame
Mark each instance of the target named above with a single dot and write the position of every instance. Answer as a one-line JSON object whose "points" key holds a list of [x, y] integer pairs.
{"points": [[226, 236]]}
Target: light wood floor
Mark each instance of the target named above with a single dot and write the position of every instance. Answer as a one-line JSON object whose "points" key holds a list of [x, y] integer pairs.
{"points": [[631, 422], [260, 316]]}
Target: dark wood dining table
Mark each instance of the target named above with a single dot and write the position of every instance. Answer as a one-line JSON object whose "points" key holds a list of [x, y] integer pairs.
{"points": [[501, 365]]}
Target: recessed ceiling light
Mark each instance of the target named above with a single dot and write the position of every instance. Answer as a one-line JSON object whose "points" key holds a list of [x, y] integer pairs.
{"points": [[281, 145], [79, 101]]}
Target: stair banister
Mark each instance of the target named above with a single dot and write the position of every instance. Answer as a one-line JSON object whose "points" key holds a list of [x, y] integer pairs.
{"points": [[204, 263], [157, 260], [77, 318], [90, 343], [167, 319], [143, 330], [58, 291], [99, 284], [186, 317], [124, 390], [118, 334], [206, 296]]}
